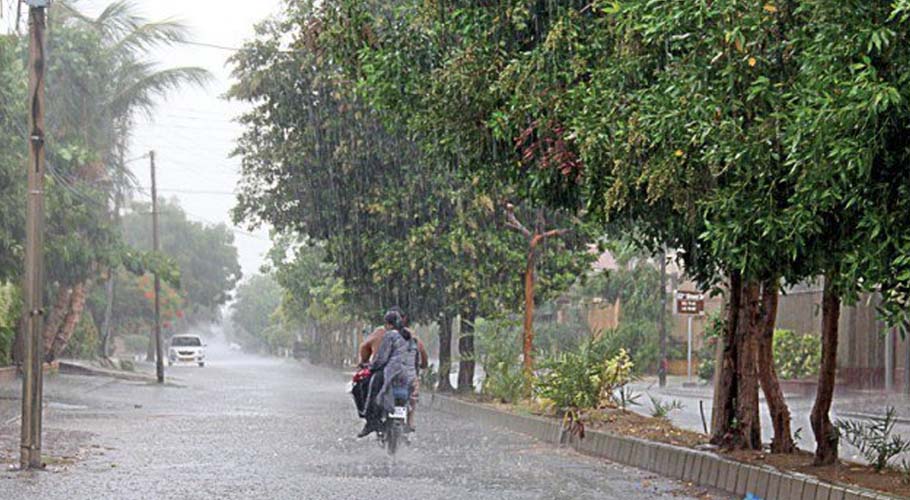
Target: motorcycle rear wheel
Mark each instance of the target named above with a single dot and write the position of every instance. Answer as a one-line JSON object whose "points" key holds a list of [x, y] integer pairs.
{"points": [[392, 436]]}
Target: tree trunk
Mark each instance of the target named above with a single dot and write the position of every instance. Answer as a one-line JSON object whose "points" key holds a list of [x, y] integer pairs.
{"points": [[747, 434], [59, 312], [826, 436], [528, 347], [466, 352], [445, 354], [77, 306], [103, 350], [767, 374], [725, 386]]}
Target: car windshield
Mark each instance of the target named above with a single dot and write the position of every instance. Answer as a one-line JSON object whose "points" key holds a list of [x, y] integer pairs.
{"points": [[186, 342]]}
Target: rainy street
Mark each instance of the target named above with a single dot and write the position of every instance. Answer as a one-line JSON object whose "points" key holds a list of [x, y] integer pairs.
{"points": [[247, 426]]}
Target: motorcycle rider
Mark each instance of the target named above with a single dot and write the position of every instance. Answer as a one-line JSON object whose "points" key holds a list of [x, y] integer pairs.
{"points": [[397, 358], [370, 346]]}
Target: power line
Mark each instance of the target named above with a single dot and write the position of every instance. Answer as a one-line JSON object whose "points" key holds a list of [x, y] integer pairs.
{"points": [[196, 191], [227, 48], [213, 46]]}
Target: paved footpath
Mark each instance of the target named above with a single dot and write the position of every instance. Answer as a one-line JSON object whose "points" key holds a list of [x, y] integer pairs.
{"points": [[250, 427]]}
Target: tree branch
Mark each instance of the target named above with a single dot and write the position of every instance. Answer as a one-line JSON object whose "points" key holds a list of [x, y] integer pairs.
{"points": [[513, 222], [555, 232]]}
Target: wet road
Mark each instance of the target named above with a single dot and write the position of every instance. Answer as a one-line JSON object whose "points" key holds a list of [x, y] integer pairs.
{"points": [[265, 428]]}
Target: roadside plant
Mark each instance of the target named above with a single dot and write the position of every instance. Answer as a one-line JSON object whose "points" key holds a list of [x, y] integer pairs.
{"points": [[875, 439], [500, 354], [626, 397], [796, 356], [905, 471], [585, 378], [662, 409]]}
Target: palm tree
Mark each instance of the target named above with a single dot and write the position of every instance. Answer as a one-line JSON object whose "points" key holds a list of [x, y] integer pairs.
{"points": [[105, 81]]}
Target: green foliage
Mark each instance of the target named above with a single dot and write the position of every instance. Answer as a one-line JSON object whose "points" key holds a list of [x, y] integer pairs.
{"points": [[98, 78], [661, 409], [84, 342], [796, 356], [419, 229], [875, 439], [584, 379], [203, 256], [714, 329], [636, 285], [7, 337], [257, 301], [10, 304], [499, 349], [13, 151]]}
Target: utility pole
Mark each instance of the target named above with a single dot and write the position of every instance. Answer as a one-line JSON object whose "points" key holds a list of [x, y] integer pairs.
{"points": [[159, 361], [662, 321], [33, 288]]}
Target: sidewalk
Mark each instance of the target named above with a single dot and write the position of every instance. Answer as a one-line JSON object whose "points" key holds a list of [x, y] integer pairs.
{"points": [[847, 405]]}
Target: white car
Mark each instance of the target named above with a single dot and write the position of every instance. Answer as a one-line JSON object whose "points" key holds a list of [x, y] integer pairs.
{"points": [[186, 349]]}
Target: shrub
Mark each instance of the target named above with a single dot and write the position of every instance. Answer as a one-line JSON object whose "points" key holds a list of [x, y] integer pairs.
{"points": [[7, 336], [584, 378], [10, 304], [874, 439], [796, 356], [660, 409], [499, 352], [84, 342]]}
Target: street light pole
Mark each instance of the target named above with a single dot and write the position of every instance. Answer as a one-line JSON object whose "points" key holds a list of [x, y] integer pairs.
{"points": [[33, 287], [159, 361]]}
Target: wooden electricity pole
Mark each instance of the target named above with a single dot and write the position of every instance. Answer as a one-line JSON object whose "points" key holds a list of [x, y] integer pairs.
{"points": [[159, 361], [33, 287], [535, 238]]}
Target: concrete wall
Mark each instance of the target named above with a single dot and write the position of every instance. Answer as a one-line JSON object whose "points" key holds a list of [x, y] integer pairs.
{"points": [[861, 346]]}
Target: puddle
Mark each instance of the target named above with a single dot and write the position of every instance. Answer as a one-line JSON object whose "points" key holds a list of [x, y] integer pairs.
{"points": [[63, 406]]}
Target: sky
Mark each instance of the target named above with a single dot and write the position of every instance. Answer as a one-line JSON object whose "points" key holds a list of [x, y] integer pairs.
{"points": [[192, 132]]}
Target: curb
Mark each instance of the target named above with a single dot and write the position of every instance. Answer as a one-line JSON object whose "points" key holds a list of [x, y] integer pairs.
{"points": [[80, 369], [11, 373], [697, 467], [8, 374]]}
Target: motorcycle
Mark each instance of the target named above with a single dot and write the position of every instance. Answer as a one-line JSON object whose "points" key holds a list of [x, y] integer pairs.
{"points": [[393, 427]]}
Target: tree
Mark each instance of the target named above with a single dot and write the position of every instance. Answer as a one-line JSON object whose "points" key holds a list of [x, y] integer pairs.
{"points": [[202, 257], [535, 238], [850, 169], [258, 300], [96, 82], [12, 151], [404, 222], [204, 253]]}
